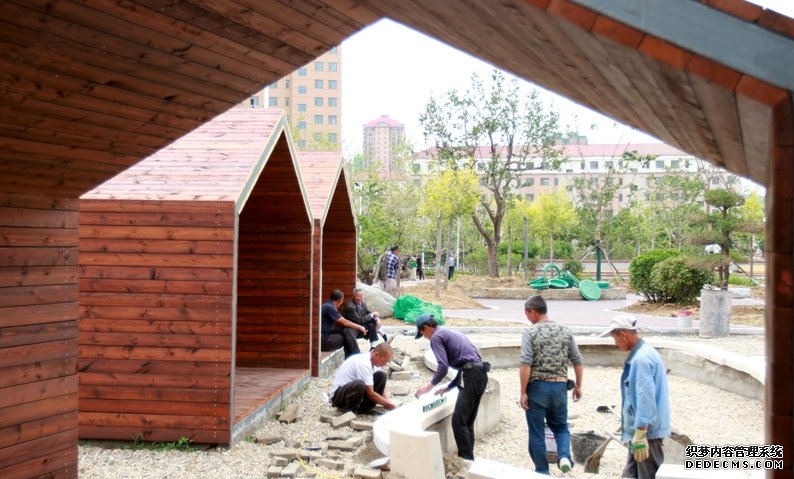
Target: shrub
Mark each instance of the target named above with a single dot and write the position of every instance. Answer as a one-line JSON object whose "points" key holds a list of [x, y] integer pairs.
{"points": [[679, 280], [640, 272], [574, 267]]}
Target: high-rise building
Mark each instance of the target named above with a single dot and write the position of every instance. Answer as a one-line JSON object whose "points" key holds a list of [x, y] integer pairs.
{"points": [[311, 98], [382, 137]]}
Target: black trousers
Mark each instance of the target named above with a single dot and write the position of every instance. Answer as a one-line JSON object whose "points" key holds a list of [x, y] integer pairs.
{"points": [[372, 331], [474, 382], [353, 395], [338, 338], [451, 272]]}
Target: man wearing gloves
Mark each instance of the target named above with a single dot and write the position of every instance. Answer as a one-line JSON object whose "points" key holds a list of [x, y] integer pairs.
{"points": [[645, 410]]}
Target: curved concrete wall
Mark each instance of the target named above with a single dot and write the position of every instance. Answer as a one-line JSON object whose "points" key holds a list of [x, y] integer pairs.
{"points": [[710, 365]]}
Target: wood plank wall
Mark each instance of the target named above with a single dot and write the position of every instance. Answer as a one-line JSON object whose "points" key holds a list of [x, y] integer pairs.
{"points": [[339, 244], [156, 286], [38, 336], [317, 296], [274, 270], [779, 250]]}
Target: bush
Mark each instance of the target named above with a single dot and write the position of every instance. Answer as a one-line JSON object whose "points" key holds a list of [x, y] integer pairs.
{"points": [[640, 272], [679, 280], [573, 266]]}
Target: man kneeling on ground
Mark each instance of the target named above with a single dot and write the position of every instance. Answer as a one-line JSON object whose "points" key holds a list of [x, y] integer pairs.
{"points": [[357, 386]]}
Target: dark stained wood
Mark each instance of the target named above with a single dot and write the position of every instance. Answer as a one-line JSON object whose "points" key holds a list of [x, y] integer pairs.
{"points": [[274, 268], [334, 237], [80, 105], [254, 387], [157, 284], [47, 456]]}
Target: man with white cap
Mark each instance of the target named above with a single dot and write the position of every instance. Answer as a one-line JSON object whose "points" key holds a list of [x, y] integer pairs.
{"points": [[453, 348], [645, 409]]}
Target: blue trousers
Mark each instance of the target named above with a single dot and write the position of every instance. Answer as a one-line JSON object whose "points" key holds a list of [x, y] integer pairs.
{"points": [[549, 401]]}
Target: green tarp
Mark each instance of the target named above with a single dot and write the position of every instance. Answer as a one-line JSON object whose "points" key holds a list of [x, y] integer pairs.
{"points": [[408, 308]]}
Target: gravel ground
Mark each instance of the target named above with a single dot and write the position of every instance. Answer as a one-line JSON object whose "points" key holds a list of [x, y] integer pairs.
{"points": [[706, 414]]}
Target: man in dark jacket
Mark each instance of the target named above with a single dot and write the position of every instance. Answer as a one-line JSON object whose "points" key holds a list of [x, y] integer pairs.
{"points": [[452, 348], [356, 310]]}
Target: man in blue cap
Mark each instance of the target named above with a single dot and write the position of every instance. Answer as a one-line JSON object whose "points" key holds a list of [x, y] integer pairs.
{"points": [[452, 348]]}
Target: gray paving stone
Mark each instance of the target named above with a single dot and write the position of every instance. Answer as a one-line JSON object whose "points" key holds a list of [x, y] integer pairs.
{"points": [[329, 464], [289, 414], [274, 471], [267, 438], [341, 445], [400, 376], [291, 470], [343, 420], [367, 473], [285, 453], [359, 425]]}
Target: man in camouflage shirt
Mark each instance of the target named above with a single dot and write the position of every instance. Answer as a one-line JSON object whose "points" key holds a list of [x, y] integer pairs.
{"points": [[546, 349]]}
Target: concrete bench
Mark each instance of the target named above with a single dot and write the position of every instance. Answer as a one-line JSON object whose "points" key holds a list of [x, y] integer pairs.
{"points": [[707, 364]]}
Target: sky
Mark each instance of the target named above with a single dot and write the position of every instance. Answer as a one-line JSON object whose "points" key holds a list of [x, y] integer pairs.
{"points": [[389, 69]]}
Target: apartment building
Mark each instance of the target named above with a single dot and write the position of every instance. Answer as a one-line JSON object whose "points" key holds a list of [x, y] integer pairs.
{"points": [[382, 138], [600, 163], [311, 98]]}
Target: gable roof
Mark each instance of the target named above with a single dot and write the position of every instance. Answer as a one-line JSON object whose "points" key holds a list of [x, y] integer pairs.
{"points": [[219, 161], [321, 172]]}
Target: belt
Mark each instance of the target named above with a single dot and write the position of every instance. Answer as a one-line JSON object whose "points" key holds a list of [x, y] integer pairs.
{"points": [[552, 379], [472, 364]]}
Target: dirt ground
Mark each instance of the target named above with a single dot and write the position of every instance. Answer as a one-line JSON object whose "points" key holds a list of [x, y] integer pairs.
{"points": [[456, 298], [743, 315]]}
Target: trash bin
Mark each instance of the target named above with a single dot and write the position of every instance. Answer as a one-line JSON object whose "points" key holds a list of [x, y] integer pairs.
{"points": [[684, 318], [715, 313]]}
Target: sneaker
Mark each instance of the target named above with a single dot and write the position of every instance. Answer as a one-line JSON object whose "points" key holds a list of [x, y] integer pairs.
{"points": [[565, 465]]}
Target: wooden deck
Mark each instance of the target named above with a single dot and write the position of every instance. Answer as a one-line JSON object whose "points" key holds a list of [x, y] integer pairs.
{"points": [[255, 387]]}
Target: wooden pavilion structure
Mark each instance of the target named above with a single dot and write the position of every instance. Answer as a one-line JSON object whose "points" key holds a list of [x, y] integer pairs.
{"points": [[90, 88], [195, 279], [334, 238]]}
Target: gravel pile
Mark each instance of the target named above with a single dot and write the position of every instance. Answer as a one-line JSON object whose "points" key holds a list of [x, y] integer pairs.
{"points": [[706, 414]]}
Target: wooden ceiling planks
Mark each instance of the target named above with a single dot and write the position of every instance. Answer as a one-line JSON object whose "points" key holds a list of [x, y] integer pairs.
{"points": [[633, 77], [123, 79]]}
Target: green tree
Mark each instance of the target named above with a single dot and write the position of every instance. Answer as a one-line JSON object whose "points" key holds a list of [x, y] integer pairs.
{"points": [[386, 212], [633, 227], [752, 214], [673, 199], [496, 133], [553, 214], [517, 212], [724, 222], [448, 196]]}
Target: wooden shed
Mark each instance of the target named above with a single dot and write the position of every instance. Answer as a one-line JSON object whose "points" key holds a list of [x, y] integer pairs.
{"points": [[195, 285], [334, 238]]}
